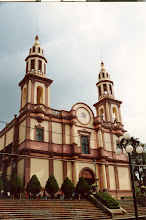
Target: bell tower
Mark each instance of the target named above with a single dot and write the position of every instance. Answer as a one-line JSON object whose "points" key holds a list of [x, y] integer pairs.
{"points": [[107, 107], [35, 86]]}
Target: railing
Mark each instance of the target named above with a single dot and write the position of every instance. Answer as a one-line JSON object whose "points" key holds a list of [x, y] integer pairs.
{"points": [[55, 112]]}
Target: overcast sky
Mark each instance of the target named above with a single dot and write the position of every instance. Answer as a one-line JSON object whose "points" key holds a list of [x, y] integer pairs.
{"points": [[73, 36]]}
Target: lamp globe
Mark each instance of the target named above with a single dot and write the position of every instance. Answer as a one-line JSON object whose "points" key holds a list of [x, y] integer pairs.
{"points": [[126, 135], [118, 151], [129, 148], [139, 149]]}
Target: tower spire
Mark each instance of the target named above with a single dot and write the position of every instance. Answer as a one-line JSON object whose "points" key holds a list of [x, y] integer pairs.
{"points": [[104, 85]]}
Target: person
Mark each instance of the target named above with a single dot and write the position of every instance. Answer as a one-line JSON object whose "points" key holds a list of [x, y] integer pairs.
{"points": [[62, 196], [8, 194], [27, 195]]}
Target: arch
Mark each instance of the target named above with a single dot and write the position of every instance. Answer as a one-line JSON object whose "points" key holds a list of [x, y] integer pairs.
{"points": [[24, 97], [101, 113], [88, 174], [115, 115], [99, 90], [39, 95]]}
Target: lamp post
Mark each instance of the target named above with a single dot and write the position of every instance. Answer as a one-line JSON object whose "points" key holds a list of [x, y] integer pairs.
{"points": [[129, 149]]}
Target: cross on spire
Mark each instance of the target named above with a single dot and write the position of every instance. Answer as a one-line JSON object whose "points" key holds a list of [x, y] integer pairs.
{"points": [[37, 30]]}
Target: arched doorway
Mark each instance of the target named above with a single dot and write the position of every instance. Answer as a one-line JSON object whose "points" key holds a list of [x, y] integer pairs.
{"points": [[88, 175]]}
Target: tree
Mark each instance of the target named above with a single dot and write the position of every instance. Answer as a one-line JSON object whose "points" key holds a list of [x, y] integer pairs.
{"points": [[1, 185], [15, 185], [33, 186], [6, 184], [137, 159], [51, 186], [67, 187], [82, 187]]}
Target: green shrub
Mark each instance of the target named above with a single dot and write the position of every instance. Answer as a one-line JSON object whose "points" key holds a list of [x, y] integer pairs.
{"points": [[51, 186], [6, 184], [67, 187], [141, 199], [107, 200], [82, 187], [33, 186], [15, 185]]}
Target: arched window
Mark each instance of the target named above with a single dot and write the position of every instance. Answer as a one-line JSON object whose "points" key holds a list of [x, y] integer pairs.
{"points": [[88, 175], [99, 90], [115, 115], [110, 89], [39, 95], [102, 114], [40, 66], [99, 76], [32, 65], [105, 88], [33, 49], [24, 97]]}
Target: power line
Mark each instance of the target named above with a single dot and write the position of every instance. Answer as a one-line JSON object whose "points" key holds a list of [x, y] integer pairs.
{"points": [[61, 159], [92, 139]]}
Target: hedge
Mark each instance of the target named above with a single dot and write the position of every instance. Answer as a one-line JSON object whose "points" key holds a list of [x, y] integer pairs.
{"points": [[107, 200]]}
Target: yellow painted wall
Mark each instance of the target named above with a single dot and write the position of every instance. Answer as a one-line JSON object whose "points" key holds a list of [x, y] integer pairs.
{"points": [[107, 141], [2, 142], [8, 171], [67, 132], [20, 169], [9, 136], [69, 170], [33, 123], [115, 138], [24, 100], [77, 136], [124, 179], [92, 141], [57, 133], [58, 171], [112, 177], [29, 91], [49, 96], [40, 168], [104, 177], [107, 111], [100, 142], [22, 131]]}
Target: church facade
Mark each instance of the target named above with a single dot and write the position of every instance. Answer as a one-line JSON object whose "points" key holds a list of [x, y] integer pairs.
{"points": [[75, 143]]}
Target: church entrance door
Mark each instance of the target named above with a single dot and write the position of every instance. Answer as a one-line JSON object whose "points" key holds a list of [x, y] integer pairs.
{"points": [[88, 175]]}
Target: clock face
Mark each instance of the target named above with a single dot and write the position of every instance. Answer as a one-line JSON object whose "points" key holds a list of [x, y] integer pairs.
{"points": [[83, 115]]}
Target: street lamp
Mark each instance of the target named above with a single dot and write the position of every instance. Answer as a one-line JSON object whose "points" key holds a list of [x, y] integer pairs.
{"points": [[129, 149]]}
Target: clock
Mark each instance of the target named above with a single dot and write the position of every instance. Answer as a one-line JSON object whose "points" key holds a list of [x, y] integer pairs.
{"points": [[83, 115]]}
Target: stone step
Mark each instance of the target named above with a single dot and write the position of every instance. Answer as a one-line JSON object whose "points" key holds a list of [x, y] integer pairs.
{"points": [[45, 209]]}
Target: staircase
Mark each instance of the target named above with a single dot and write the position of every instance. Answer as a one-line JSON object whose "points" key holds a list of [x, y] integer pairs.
{"points": [[128, 205], [49, 209]]}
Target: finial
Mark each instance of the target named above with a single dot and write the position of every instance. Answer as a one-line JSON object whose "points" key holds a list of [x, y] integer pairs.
{"points": [[36, 40]]}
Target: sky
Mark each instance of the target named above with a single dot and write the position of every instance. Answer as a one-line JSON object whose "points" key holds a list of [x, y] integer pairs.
{"points": [[75, 37]]}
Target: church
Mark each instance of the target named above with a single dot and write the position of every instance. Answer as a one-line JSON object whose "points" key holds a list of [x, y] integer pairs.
{"points": [[75, 143]]}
